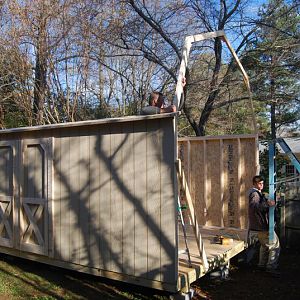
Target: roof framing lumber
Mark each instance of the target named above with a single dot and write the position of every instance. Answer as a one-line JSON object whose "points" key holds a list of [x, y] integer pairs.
{"points": [[189, 40]]}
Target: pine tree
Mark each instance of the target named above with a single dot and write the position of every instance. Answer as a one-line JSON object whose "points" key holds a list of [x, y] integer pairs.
{"points": [[275, 66]]}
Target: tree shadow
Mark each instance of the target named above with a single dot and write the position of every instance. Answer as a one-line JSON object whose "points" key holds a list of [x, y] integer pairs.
{"points": [[60, 283], [104, 219]]}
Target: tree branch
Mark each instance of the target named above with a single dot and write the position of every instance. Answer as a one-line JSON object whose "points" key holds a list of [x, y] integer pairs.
{"points": [[153, 24]]}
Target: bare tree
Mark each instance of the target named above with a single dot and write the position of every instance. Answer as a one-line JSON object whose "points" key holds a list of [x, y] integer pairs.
{"points": [[162, 20], [91, 59], [53, 37], [15, 94]]}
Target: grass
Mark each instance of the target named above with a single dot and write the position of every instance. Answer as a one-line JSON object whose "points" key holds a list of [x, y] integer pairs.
{"points": [[16, 283], [23, 279]]}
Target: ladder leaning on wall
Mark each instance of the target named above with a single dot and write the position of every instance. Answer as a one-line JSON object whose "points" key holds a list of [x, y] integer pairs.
{"points": [[183, 226], [189, 41], [184, 186]]}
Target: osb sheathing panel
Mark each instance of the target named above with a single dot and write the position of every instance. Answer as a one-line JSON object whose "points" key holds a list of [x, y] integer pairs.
{"points": [[248, 149], [213, 184], [196, 178], [219, 172]]}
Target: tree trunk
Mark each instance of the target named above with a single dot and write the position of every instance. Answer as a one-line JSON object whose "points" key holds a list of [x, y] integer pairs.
{"points": [[40, 86], [208, 107], [40, 79], [273, 106]]}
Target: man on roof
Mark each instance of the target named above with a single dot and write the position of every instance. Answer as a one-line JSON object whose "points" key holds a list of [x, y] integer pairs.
{"points": [[158, 105]]}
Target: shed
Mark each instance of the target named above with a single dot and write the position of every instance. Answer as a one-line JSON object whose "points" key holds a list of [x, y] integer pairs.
{"points": [[289, 186], [100, 197]]}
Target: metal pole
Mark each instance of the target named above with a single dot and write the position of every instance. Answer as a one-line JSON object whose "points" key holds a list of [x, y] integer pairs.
{"points": [[272, 188]]}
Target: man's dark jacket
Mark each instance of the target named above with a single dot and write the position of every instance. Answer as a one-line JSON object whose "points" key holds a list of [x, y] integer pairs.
{"points": [[258, 211]]}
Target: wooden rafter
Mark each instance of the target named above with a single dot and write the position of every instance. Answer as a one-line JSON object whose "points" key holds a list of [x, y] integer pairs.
{"points": [[189, 40]]}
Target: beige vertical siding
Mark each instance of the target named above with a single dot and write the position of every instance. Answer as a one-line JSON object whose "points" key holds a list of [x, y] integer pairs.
{"points": [[128, 208], [140, 194], [114, 186], [6, 170], [7, 162], [106, 192]]}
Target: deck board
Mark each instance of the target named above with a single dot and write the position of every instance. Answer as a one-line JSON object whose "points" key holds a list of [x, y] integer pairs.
{"points": [[217, 255]]}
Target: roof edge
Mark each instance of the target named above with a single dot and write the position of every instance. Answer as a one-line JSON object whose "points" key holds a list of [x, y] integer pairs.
{"points": [[88, 123]]}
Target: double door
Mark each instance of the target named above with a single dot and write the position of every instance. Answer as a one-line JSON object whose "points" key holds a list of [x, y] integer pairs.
{"points": [[25, 180]]}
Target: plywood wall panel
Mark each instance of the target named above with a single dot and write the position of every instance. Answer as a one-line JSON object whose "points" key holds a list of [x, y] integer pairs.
{"points": [[184, 154], [213, 184], [197, 179], [231, 159], [249, 169], [221, 171]]}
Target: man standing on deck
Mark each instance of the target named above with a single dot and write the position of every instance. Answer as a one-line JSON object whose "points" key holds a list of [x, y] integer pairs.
{"points": [[259, 227]]}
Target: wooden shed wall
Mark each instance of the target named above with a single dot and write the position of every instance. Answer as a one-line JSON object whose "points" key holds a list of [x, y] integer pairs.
{"points": [[107, 194], [219, 172]]}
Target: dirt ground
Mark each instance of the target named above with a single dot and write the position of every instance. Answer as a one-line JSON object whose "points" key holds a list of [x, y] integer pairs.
{"points": [[38, 281], [246, 282]]}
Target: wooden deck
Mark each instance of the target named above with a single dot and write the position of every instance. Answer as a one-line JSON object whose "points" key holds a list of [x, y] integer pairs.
{"points": [[217, 255]]}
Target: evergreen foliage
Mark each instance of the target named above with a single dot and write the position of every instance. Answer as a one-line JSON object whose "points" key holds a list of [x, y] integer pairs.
{"points": [[273, 60]]}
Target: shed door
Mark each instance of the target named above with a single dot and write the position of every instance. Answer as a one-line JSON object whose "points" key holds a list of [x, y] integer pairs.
{"points": [[33, 209], [7, 167]]}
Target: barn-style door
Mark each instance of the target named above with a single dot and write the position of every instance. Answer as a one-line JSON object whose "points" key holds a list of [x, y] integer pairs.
{"points": [[34, 194], [7, 192]]}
